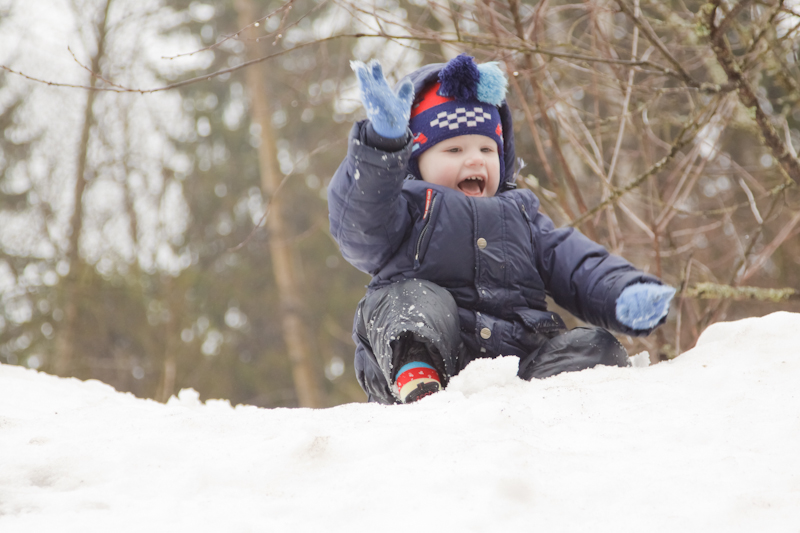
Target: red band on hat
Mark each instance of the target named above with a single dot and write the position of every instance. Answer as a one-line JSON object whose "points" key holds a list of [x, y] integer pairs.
{"points": [[429, 99]]}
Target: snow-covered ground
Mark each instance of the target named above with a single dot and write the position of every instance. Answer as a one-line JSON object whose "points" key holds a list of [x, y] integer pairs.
{"points": [[707, 442]]}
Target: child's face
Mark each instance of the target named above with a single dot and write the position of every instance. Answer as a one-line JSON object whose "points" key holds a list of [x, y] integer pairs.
{"points": [[467, 163]]}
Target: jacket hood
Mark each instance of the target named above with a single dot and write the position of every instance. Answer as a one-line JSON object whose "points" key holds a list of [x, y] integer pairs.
{"points": [[428, 75]]}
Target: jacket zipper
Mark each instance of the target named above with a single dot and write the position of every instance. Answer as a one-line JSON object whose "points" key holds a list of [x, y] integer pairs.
{"points": [[424, 231], [524, 213], [528, 220]]}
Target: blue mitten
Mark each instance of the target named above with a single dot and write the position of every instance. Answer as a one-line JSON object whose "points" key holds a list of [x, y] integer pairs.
{"points": [[641, 306], [388, 112]]}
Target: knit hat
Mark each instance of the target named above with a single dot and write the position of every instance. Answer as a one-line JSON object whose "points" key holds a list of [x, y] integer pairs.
{"points": [[463, 102]]}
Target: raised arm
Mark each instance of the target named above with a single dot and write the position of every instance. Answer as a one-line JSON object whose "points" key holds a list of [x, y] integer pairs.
{"points": [[368, 215]]}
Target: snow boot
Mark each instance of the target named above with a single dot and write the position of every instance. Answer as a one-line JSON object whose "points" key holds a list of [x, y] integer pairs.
{"points": [[417, 377]]}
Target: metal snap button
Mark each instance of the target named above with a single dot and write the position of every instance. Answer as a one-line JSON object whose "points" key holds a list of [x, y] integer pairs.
{"points": [[486, 333], [482, 243]]}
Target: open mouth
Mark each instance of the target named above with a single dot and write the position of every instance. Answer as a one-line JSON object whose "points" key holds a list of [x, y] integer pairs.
{"points": [[472, 186]]}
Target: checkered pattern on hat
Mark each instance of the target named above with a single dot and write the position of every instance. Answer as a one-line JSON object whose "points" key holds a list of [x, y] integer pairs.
{"points": [[461, 116]]}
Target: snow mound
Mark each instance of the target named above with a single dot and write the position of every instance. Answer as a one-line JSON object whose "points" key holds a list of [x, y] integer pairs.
{"points": [[707, 442]]}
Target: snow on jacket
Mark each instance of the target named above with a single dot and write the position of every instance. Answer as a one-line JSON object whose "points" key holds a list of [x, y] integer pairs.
{"points": [[499, 257]]}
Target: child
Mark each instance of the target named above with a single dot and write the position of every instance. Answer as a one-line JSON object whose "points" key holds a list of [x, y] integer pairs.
{"points": [[460, 259]]}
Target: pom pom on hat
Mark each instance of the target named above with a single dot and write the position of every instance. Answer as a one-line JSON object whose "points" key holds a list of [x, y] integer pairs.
{"points": [[460, 78], [493, 84]]}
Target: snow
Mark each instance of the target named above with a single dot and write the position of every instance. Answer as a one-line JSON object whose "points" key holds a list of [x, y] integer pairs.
{"points": [[706, 442]]}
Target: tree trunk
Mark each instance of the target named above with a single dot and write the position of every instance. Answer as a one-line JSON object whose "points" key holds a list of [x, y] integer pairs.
{"points": [[294, 329], [67, 336], [173, 299]]}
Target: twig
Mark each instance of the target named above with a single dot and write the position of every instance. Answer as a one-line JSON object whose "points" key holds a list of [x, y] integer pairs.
{"points": [[715, 291], [713, 311], [548, 198], [533, 31], [569, 177], [658, 43], [731, 16], [679, 143], [236, 35], [685, 186], [537, 140], [91, 73], [684, 284], [281, 26], [789, 164], [769, 249], [682, 190], [176, 85], [788, 134], [751, 201], [636, 220], [732, 208], [625, 102], [623, 120], [763, 31], [466, 39]]}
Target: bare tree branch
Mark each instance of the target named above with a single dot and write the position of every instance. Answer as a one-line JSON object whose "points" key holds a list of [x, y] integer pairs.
{"points": [[788, 163], [715, 291]]}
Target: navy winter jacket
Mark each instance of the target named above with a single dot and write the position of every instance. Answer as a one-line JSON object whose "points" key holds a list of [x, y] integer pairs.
{"points": [[498, 257]]}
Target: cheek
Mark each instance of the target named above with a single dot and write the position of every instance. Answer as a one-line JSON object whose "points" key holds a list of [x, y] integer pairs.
{"points": [[494, 164], [494, 172], [436, 170]]}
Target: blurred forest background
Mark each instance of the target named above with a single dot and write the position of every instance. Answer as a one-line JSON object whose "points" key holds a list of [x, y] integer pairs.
{"points": [[163, 221]]}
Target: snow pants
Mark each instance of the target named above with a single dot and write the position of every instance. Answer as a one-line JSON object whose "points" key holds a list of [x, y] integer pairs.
{"points": [[389, 319]]}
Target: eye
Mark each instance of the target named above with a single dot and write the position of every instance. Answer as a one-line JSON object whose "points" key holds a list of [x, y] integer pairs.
{"points": [[454, 150], [487, 149]]}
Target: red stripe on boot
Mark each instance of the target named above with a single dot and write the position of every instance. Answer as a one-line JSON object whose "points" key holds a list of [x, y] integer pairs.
{"points": [[416, 373]]}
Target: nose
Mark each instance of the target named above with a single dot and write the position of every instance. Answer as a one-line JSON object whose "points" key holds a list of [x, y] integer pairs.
{"points": [[475, 159]]}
